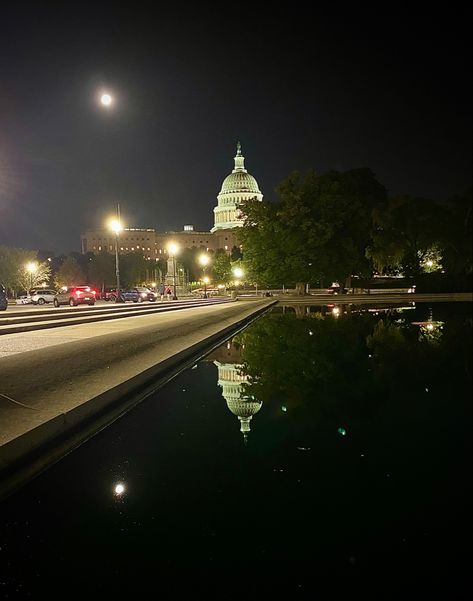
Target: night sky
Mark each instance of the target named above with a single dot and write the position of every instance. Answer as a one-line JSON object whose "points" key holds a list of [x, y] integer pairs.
{"points": [[306, 88]]}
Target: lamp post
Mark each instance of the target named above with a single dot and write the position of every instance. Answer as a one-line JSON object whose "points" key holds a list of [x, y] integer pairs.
{"points": [[238, 273], [204, 260], [116, 226], [206, 280], [172, 249], [32, 268]]}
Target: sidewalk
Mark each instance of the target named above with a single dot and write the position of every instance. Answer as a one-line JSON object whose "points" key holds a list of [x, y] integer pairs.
{"points": [[55, 397]]}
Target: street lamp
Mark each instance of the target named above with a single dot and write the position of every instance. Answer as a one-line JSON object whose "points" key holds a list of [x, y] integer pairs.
{"points": [[206, 280], [204, 260], [238, 273], [172, 249], [32, 268], [116, 227]]}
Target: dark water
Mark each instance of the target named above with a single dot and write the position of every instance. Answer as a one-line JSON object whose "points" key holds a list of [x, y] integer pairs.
{"points": [[353, 481]]}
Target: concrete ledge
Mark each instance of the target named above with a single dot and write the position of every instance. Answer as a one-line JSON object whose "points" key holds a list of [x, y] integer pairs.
{"points": [[361, 299], [26, 455]]}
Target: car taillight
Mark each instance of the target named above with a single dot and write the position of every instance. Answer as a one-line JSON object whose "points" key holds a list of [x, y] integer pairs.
{"points": [[78, 292], [94, 291]]}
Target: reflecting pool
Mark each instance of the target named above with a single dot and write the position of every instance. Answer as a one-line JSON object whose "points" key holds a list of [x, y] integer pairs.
{"points": [[323, 453]]}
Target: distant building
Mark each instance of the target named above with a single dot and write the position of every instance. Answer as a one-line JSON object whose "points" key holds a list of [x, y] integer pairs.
{"points": [[236, 187]]}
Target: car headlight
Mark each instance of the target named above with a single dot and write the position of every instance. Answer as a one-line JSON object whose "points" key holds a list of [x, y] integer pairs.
{"points": [[144, 295]]}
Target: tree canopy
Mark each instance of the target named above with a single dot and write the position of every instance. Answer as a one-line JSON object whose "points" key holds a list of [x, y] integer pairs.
{"points": [[318, 231]]}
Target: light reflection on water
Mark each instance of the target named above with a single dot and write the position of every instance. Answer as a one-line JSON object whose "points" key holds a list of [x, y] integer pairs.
{"points": [[316, 446]]}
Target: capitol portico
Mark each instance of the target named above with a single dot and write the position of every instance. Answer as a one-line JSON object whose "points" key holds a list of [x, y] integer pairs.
{"points": [[238, 186]]}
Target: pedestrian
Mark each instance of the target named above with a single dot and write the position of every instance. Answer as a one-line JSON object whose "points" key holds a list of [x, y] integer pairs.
{"points": [[162, 289], [168, 292]]}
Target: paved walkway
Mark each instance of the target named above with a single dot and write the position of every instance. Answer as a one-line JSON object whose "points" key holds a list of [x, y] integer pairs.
{"points": [[55, 380]]}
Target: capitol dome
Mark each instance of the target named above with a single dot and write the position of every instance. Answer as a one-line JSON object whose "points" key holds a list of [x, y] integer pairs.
{"points": [[236, 187], [239, 181]]}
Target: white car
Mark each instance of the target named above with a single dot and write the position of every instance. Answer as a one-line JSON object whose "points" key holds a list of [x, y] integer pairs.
{"points": [[23, 300], [40, 297]]}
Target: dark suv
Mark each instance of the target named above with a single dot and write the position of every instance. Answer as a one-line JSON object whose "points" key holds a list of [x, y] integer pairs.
{"points": [[74, 295], [127, 295]]}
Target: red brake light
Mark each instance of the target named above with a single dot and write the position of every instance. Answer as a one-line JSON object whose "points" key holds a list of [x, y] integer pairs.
{"points": [[78, 292]]}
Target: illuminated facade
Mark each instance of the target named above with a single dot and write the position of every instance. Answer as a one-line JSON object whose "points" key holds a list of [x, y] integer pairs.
{"points": [[236, 187]]}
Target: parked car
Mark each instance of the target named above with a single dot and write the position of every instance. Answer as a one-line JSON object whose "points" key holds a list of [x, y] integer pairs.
{"points": [[42, 296], [131, 295], [3, 298], [110, 294], [146, 293], [74, 295], [200, 292]]}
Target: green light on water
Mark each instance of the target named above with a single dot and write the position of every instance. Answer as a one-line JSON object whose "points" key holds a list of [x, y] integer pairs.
{"points": [[342, 431]]}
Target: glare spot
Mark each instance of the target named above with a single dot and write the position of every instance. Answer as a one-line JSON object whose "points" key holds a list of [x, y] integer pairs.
{"points": [[342, 431]]}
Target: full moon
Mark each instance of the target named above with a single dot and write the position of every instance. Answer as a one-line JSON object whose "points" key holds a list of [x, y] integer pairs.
{"points": [[106, 99]]}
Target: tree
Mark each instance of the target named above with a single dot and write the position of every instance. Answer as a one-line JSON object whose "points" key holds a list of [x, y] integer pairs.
{"points": [[11, 260], [133, 267], [102, 269], [14, 273], [406, 230], [236, 254], [28, 278], [456, 236], [70, 274], [222, 267], [318, 231], [189, 258]]}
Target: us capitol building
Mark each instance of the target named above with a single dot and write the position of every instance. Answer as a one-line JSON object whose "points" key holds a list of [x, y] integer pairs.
{"points": [[236, 187]]}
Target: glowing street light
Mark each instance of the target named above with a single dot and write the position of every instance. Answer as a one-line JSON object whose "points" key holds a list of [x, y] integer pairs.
{"points": [[173, 250], [238, 273], [204, 260], [116, 226], [32, 268]]}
